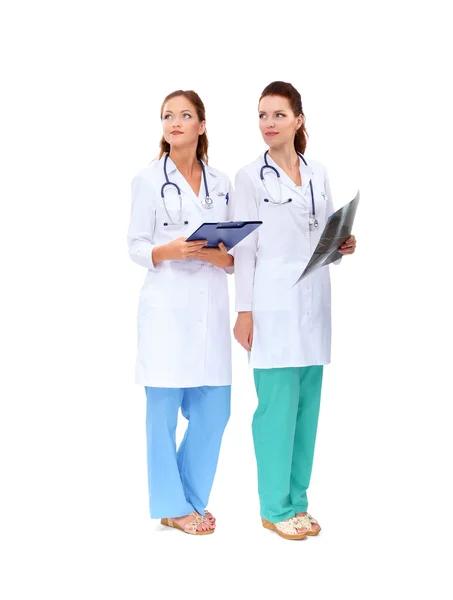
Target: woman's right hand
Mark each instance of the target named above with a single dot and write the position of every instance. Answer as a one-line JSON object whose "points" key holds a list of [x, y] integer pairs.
{"points": [[243, 330], [178, 249]]}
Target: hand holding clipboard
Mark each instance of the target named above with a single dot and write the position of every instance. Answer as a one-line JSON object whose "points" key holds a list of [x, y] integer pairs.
{"points": [[230, 233]]}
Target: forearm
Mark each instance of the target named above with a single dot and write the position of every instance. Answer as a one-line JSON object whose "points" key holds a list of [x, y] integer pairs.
{"points": [[244, 280], [159, 254]]}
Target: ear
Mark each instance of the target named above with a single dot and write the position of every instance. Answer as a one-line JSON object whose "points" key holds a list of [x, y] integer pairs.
{"points": [[202, 128], [300, 121]]}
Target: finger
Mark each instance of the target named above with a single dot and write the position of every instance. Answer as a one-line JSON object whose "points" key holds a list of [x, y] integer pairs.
{"points": [[245, 346], [242, 341], [222, 247], [197, 243]]}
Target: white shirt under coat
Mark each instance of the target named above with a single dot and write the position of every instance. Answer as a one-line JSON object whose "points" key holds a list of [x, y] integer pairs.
{"points": [[184, 335], [292, 325]]}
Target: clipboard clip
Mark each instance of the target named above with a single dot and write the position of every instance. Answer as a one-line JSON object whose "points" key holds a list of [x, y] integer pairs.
{"points": [[229, 225]]}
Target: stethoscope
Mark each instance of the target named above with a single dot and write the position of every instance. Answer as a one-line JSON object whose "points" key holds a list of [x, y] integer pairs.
{"points": [[312, 221], [206, 202]]}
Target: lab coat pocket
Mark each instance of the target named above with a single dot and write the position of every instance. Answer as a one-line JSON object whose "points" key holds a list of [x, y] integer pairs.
{"points": [[165, 289], [272, 285]]}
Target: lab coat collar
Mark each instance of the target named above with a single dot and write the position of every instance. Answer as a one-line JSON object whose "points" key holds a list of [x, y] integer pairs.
{"points": [[175, 176], [306, 174]]}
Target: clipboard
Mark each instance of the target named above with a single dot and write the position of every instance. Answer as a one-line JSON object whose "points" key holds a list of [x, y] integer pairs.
{"points": [[337, 230], [229, 232]]}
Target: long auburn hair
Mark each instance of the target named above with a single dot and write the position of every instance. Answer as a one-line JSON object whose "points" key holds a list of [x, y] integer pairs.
{"points": [[193, 98], [287, 90]]}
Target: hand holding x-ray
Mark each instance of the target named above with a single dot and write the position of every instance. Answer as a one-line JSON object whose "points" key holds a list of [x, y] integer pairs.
{"points": [[337, 230]]}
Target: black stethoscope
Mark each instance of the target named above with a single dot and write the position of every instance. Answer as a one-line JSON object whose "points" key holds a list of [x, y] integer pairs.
{"points": [[206, 202], [312, 221]]}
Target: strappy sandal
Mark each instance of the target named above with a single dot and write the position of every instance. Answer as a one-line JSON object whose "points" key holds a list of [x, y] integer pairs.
{"points": [[191, 527], [307, 522], [209, 516], [286, 529]]}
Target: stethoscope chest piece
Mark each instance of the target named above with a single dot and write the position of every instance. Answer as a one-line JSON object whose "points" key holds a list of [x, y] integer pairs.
{"points": [[312, 223], [207, 202]]}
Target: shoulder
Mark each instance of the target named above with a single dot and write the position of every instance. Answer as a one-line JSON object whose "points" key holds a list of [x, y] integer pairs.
{"points": [[220, 175], [150, 174], [317, 166], [252, 170]]}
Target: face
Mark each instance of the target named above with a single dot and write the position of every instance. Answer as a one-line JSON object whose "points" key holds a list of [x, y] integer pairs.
{"points": [[278, 124], [180, 123]]}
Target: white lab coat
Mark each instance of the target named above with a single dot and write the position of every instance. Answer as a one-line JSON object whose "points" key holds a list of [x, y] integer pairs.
{"points": [[292, 325], [184, 335]]}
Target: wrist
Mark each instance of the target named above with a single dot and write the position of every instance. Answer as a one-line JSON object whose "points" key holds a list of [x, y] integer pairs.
{"points": [[228, 261], [158, 255]]}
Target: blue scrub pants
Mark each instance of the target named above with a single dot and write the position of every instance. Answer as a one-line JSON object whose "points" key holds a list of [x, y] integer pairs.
{"points": [[181, 481]]}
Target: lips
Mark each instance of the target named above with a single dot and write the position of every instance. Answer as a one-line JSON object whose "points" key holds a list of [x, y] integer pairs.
{"points": [[176, 133], [271, 133]]}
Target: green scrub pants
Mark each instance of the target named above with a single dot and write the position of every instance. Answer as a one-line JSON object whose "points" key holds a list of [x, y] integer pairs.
{"points": [[284, 433]]}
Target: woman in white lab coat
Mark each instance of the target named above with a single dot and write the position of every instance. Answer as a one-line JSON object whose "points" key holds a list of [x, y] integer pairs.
{"points": [[286, 329], [184, 342]]}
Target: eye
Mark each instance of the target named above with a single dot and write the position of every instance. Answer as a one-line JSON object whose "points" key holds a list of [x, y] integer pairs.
{"points": [[262, 116], [279, 115], [166, 117], [187, 115]]}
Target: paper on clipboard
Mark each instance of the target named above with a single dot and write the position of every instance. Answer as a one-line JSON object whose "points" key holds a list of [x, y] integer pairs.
{"points": [[337, 230]]}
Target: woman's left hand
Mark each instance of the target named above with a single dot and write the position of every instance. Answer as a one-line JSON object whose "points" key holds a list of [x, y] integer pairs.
{"points": [[349, 246], [216, 256]]}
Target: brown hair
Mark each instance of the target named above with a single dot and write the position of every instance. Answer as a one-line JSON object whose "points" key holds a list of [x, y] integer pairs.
{"points": [[281, 88], [194, 98]]}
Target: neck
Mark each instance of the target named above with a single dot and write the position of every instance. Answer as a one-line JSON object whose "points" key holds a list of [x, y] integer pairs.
{"points": [[285, 157], [185, 160]]}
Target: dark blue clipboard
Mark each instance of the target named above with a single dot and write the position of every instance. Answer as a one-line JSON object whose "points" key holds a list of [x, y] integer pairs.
{"points": [[229, 232]]}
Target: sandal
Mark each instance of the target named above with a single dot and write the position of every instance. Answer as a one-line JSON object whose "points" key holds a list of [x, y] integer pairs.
{"points": [[286, 529], [191, 527], [210, 516], [307, 521]]}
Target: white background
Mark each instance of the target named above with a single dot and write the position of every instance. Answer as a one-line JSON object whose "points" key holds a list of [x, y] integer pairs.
{"points": [[82, 88]]}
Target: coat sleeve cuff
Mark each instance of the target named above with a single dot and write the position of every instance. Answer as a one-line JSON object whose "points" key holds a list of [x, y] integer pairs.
{"points": [[240, 307]]}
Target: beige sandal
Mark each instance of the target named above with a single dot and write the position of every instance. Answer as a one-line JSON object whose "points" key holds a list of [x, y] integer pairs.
{"points": [[210, 516], [190, 527], [307, 521], [286, 529]]}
